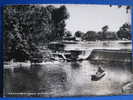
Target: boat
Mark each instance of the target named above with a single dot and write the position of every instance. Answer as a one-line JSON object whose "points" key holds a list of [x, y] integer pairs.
{"points": [[97, 76]]}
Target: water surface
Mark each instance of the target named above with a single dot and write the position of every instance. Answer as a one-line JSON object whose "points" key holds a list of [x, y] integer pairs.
{"points": [[69, 78]]}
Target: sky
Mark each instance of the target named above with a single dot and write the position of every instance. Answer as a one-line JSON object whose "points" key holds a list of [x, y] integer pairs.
{"points": [[93, 17]]}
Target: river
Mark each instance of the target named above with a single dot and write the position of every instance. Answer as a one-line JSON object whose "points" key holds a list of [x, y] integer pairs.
{"points": [[70, 78]]}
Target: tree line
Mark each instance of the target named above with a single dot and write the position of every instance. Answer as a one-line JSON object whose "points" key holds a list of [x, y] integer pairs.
{"points": [[124, 33], [28, 26]]}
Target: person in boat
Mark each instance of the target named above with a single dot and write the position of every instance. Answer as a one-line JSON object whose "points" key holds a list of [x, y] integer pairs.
{"points": [[100, 70], [99, 74]]}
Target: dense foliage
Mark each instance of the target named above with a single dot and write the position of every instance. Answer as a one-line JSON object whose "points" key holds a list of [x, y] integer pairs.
{"points": [[90, 36], [26, 26], [78, 34], [124, 32]]}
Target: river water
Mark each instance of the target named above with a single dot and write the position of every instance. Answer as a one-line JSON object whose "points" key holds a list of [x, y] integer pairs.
{"points": [[70, 78]]}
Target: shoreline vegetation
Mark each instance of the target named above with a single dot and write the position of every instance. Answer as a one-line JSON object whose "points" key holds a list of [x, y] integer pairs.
{"points": [[28, 27]]}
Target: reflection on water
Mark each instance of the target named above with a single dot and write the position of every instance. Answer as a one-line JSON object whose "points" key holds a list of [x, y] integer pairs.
{"points": [[36, 79], [67, 78]]}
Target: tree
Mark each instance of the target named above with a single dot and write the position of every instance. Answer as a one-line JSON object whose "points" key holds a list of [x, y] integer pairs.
{"points": [[104, 30], [59, 16], [124, 32], [90, 36], [68, 34], [28, 26], [78, 34]]}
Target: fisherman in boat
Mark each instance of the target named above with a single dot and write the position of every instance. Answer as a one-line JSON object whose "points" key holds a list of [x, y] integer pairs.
{"points": [[100, 70], [99, 74]]}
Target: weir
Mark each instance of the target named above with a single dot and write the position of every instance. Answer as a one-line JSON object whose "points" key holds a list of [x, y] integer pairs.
{"points": [[111, 55]]}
